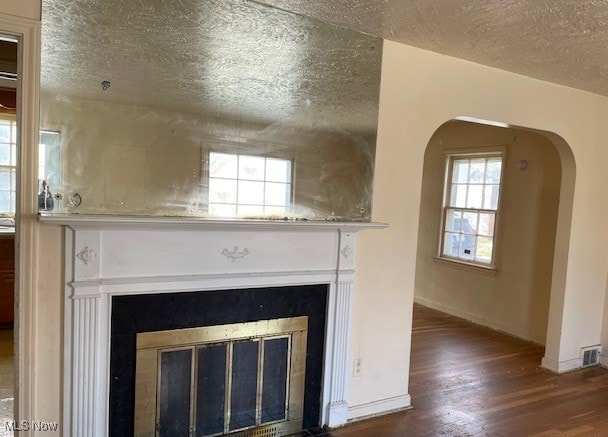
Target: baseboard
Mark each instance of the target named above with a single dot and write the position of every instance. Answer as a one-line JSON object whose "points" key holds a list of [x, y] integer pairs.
{"points": [[561, 366], [379, 408], [477, 320]]}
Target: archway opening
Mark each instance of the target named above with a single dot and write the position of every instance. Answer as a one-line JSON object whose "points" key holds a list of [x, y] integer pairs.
{"points": [[510, 278]]}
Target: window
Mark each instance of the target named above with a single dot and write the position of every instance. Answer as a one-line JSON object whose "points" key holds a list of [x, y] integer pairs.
{"points": [[8, 165], [244, 185], [49, 177], [49, 158], [471, 201], [48, 164]]}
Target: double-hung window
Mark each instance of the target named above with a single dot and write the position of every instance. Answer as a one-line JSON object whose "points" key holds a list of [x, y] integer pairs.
{"points": [[470, 207], [8, 162]]}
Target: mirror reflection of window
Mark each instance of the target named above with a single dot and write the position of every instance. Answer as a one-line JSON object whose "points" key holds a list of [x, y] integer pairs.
{"points": [[49, 168], [249, 186], [8, 165]]}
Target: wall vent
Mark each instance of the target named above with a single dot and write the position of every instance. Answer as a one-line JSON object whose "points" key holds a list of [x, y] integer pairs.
{"points": [[591, 356]]}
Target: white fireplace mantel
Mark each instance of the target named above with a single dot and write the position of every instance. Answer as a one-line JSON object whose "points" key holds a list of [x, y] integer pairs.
{"points": [[77, 221], [110, 256]]}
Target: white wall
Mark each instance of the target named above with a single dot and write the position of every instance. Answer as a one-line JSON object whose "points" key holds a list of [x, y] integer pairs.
{"points": [[420, 91], [516, 298], [22, 8]]}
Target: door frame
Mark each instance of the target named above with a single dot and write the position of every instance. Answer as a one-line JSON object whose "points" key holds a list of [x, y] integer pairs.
{"points": [[27, 32]]}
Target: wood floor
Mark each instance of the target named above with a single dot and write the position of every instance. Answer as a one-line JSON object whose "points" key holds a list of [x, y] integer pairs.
{"points": [[7, 370], [467, 380]]}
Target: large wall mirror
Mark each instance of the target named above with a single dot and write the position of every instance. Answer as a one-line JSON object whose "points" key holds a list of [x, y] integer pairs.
{"points": [[210, 108]]}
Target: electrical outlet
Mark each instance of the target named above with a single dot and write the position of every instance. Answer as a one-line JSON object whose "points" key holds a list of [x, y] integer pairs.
{"points": [[357, 364]]}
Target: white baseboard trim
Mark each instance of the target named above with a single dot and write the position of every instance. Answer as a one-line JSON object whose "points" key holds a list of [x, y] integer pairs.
{"points": [[561, 366], [477, 320], [379, 408], [604, 360]]}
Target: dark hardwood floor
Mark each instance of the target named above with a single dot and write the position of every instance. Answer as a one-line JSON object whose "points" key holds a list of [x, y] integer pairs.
{"points": [[467, 380]]}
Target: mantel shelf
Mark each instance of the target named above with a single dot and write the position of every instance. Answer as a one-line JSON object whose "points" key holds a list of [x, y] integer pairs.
{"points": [[75, 221]]}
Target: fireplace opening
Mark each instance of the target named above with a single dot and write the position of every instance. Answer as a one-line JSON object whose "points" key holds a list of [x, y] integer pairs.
{"points": [[234, 366], [222, 379]]}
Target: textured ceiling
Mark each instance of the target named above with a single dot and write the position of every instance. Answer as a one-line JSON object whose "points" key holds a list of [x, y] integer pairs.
{"points": [[239, 58], [561, 41], [226, 58]]}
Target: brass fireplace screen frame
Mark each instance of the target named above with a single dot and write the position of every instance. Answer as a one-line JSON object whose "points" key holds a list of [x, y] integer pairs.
{"points": [[150, 346]]}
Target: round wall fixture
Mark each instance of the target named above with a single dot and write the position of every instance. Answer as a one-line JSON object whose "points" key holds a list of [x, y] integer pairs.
{"points": [[522, 165]]}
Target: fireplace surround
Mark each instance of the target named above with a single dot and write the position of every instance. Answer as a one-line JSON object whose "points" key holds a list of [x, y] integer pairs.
{"points": [[109, 257], [135, 314]]}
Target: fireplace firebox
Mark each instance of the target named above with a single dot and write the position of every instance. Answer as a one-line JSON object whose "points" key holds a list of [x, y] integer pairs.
{"points": [[222, 379]]}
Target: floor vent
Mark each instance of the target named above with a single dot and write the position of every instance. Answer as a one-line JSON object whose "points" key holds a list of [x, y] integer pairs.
{"points": [[273, 431], [591, 357]]}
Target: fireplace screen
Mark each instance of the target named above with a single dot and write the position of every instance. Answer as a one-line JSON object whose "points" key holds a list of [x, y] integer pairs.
{"points": [[244, 378]]}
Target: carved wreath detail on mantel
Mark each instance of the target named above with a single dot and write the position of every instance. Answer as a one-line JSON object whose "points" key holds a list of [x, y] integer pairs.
{"points": [[87, 255], [235, 254]]}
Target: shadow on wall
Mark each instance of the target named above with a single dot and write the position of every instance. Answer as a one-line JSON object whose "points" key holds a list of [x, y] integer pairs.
{"points": [[515, 298]]}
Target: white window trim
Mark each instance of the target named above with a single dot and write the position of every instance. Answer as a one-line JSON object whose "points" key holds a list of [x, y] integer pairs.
{"points": [[449, 156]]}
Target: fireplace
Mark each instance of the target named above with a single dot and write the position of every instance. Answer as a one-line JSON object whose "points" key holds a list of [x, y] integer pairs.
{"points": [[145, 326], [111, 261], [222, 379]]}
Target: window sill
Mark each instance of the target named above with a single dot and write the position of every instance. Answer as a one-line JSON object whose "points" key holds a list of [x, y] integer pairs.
{"points": [[7, 227], [488, 271]]}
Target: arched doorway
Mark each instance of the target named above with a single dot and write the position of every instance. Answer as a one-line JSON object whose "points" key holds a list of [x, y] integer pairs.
{"points": [[520, 289]]}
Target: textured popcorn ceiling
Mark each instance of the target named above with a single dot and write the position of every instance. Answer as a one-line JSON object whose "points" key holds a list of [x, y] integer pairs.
{"points": [[211, 51], [561, 41], [226, 58]]}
